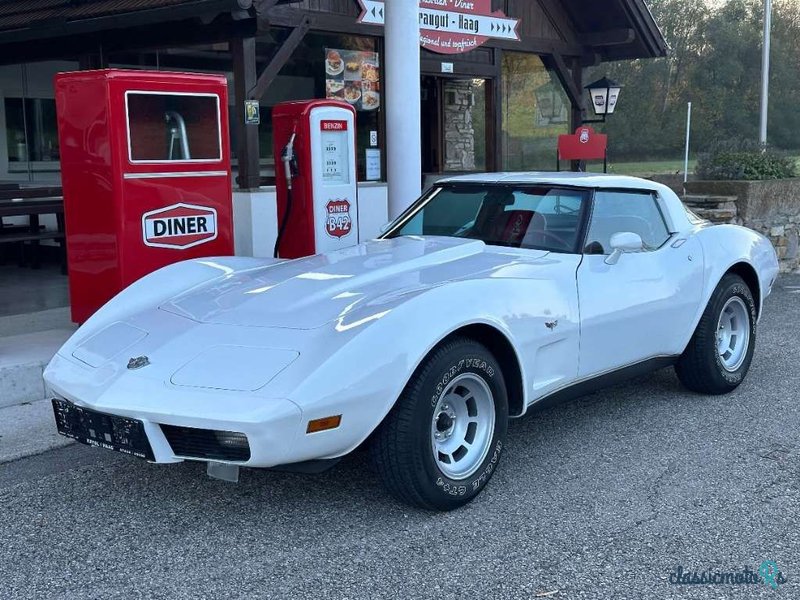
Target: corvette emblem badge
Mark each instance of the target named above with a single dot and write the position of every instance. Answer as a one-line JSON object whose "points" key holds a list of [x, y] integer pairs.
{"points": [[551, 324], [138, 362]]}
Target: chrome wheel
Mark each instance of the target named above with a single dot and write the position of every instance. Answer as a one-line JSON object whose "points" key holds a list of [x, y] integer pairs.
{"points": [[463, 426], [733, 334]]}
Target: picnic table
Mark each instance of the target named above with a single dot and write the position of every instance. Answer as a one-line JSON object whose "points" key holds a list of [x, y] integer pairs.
{"points": [[31, 203]]}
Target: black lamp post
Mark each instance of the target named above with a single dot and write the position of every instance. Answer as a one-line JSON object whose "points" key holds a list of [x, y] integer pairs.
{"points": [[603, 95]]}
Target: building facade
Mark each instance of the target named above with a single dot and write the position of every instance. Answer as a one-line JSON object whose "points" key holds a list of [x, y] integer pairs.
{"points": [[496, 102]]}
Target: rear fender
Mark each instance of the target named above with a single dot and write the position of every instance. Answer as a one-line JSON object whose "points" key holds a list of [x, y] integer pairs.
{"points": [[724, 247]]}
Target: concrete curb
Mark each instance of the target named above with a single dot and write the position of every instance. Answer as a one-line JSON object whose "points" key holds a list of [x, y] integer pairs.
{"points": [[28, 429], [22, 361]]}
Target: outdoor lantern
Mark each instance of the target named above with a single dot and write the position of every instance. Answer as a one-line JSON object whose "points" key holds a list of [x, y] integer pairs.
{"points": [[549, 102], [604, 94]]}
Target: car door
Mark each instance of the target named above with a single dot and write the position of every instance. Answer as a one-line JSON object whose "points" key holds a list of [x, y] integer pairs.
{"points": [[643, 306]]}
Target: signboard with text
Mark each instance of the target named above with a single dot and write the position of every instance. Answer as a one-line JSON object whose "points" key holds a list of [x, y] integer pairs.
{"points": [[451, 26]]}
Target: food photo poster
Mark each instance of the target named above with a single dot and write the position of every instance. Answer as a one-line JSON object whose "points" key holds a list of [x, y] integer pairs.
{"points": [[353, 76]]}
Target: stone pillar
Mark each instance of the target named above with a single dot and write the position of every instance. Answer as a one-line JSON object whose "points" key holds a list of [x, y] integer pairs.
{"points": [[459, 133]]}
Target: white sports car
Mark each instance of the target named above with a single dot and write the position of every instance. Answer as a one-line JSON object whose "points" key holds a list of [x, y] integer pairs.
{"points": [[492, 294]]}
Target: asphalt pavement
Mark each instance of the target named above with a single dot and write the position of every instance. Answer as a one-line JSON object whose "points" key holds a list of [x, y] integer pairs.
{"points": [[604, 497]]}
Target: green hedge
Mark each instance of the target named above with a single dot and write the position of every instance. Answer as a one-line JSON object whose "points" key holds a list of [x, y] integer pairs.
{"points": [[737, 160]]}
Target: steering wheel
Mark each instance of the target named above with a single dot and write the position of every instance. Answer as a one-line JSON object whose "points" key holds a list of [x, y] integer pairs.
{"points": [[553, 236]]}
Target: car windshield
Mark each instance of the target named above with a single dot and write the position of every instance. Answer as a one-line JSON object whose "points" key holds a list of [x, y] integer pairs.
{"points": [[519, 216]]}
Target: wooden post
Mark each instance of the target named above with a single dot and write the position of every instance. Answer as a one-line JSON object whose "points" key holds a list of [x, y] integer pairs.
{"points": [[577, 113], [245, 76], [92, 61]]}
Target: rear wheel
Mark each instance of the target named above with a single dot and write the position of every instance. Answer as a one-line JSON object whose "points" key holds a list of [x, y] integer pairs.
{"points": [[721, 350], [441, 442]]}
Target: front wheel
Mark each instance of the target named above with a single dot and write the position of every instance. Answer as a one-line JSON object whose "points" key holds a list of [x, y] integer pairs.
{"points": [[441, 442], [721, 350]]}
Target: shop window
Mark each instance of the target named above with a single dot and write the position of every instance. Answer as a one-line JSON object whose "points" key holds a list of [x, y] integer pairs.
{"points": [[173, 127], [535, 112], [31, 130], [345, 67]]}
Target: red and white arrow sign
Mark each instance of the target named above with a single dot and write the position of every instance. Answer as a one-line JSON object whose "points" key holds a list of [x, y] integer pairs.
{"points": [[451, 26]]}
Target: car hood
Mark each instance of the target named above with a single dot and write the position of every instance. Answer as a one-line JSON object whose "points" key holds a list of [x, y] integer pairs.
{"points": [[310, 292]]}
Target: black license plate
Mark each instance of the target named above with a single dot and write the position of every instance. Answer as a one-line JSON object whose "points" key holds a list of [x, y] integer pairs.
{"points": [[101, 430]]}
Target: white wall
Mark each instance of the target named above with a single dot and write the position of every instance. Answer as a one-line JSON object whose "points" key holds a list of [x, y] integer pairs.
{"points": [[373, 209], [255, 220]]}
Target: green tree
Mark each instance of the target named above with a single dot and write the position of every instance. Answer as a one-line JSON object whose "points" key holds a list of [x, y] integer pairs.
{"points": [[714, 62]]}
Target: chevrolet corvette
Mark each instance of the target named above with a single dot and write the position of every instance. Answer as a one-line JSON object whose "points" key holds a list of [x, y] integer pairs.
{"points": [[491, 295]]}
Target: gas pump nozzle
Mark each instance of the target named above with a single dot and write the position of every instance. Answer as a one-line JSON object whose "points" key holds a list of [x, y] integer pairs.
{"points": [[290, 171], [289, 161]]}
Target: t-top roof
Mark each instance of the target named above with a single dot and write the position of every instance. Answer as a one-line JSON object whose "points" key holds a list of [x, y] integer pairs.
{"points": [[566, 178]]}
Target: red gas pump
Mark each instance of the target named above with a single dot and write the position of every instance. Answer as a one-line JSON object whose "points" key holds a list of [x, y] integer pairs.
{"points": [[316, 182], [145, 169]]}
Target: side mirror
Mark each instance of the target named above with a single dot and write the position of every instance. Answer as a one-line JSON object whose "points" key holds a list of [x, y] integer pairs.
{"points": [[623, 242]]}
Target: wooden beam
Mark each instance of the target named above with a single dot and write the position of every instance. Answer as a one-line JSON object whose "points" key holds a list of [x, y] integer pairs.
{"points": [[560, 19], [243, 52], [288, 16], [610, 37], [122, 20], [577, 114], [262, 8], [278, 61], [566, 77], [578, 108], [591, 59]]}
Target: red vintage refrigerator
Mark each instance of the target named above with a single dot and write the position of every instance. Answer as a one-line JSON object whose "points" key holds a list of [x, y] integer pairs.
{"points": [[145, 167]]}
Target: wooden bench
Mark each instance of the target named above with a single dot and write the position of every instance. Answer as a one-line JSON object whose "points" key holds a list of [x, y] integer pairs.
{"points": [[15, 238], [32, 203]]}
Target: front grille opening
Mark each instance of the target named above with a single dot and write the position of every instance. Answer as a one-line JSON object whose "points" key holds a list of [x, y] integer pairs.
{"points": [[208, 444]]}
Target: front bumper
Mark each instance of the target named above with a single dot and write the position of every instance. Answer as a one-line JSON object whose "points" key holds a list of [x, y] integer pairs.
{"points": [[271, 426]]}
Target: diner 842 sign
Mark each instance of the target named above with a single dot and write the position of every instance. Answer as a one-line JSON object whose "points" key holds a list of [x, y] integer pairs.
{"points": [[451, 26]]}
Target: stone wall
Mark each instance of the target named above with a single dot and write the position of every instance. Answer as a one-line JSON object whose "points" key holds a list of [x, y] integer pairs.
{"points": [[674, 181], [769, 207], [459, 133]]}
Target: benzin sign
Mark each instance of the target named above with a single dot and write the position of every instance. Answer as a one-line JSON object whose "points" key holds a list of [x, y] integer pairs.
{"points": [[179, 226], [451, 26]]}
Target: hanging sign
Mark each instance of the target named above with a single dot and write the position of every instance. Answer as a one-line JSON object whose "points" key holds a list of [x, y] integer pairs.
{"points": [[451, 26]]}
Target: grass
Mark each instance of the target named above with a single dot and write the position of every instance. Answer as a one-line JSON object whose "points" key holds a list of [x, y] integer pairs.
{"points": [[643, 168], [651, 167]]}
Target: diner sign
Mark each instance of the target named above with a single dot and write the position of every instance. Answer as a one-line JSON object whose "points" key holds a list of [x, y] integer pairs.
{"points": [[451, 26]]}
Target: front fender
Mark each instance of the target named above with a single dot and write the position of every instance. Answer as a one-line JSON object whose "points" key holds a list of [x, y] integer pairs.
{"points": [[362, 379]]}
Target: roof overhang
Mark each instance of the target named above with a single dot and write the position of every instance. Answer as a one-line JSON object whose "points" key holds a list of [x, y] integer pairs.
{"points": [[605, 30], [617, 29]]}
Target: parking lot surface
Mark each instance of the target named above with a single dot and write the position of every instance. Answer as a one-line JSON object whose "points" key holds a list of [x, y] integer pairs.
{"points": [[603, 497]]}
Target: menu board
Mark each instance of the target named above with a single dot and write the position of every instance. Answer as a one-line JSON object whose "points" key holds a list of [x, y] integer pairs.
{"points": [[353, 76], [335, 153]]}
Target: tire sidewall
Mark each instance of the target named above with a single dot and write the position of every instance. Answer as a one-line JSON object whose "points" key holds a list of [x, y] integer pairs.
{"points": [[465, 358], [735, 288]]}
